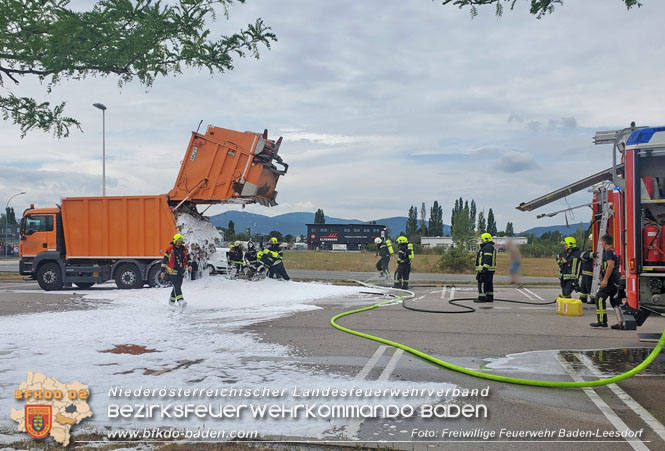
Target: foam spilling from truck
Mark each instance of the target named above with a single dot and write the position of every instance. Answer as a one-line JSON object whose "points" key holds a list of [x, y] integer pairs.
{"points": [[88, 240]]}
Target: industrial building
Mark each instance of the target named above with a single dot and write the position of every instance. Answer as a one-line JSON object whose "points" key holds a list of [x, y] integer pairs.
{"points": [[342, 237]]}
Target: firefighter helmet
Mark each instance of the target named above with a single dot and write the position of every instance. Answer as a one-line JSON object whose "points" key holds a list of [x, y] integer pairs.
{"points": [[402, 239], [250, 246], [237, 243], [570, 241], [377, 240], [486, 237], [178, 237], [273, 240]]}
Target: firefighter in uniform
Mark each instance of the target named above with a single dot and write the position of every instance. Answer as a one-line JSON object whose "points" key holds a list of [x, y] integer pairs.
{"points": [[569, 264], [608, 285], [276, 256], [586, 266], [384, 250], [404, 258], [251, 260], [235, 258], [485, 268], [175, 264]]}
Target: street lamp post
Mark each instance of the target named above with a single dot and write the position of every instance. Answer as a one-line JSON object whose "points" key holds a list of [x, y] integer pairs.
{"points": [[102, 107], [7, 220]]}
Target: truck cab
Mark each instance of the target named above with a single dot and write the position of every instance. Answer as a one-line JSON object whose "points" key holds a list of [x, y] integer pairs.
{"points": [[39, 234]]}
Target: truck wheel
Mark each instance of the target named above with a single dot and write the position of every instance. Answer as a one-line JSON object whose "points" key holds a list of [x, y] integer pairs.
{"points": [[49, 277], [153, 278], [211, 270], [128, 276], [84, 285]]}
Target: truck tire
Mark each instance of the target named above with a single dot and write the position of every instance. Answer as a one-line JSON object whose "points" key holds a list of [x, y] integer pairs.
{"points": [[153, 278], [49, 277], [84, 285], [211, 270], [128, 276]]}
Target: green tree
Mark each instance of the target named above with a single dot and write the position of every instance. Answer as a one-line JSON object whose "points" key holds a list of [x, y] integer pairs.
{"points": [[319, 217], [510, 231], [412, 222], [462, 232], [482, 224], [123, 39], [423, 224], [276, 234], [436, 220], [472, 214], [10, 215], [491, 223], [539, 8], [289, 238], [231, 228]]}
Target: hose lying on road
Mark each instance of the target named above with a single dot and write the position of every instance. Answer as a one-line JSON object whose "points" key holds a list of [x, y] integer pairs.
{"points": [[512, 380]]}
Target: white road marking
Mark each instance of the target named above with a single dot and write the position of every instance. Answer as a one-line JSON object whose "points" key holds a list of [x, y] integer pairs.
{"points": [[443, 292], [524, 293], [452, 293], [649, 419], [390, 367], [529, 291], [371, 362], [606, 410]]}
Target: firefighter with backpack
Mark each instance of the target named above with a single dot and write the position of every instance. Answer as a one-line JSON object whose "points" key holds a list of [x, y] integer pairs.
{"points": [[384, 250], [404, 258]]}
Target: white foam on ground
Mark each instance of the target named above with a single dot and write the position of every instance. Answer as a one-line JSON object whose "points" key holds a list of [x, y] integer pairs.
{"points": [[198, 347]]}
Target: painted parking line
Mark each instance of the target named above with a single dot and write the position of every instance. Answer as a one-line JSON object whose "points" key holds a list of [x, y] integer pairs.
{"points": [[371, 362], [528, 296], [605, 409], [628, 400], [532, 293], [390, 367]]}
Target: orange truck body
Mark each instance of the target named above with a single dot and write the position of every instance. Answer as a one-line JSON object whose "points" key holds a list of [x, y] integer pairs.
{"points": [[89, 240], [117, 227], [225, 166]]}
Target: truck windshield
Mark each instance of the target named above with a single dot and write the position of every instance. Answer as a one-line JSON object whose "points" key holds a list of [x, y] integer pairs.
{"points": [[36, 223]]}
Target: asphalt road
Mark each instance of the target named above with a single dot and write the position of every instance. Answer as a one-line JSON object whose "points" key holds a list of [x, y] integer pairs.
{"points": [[517, 340]]}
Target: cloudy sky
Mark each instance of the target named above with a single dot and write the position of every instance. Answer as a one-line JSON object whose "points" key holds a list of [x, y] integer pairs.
{"points": [[383, 104]]}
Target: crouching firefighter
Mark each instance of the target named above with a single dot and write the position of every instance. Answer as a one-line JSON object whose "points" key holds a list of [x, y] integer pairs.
{"points": [[404, 259], [276, 268], [175, 264], [384, 250], [569, 264], [586, 276], [485, 268]]}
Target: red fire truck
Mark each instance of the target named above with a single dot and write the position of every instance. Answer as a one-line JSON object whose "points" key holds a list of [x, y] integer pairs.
{"points": [[629, 203]]}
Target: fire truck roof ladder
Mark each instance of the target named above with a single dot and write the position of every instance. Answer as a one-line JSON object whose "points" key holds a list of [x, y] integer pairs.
{"points": [[603, 198]]}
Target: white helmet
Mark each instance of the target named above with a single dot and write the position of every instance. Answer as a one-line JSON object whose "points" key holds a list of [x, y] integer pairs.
{"points": [[377, 240], [237, 243]]}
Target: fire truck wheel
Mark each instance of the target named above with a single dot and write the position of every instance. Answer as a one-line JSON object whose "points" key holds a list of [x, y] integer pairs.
{"points": [[128, 276], [49, 277], [153, 277]]}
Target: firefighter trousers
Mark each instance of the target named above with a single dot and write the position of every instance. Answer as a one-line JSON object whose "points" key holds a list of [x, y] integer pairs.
{"points": [[603, 294], [402, 275], [567, 287], [176, 292], [278, 270], [382, 265], [585, 287], [486, 286]]}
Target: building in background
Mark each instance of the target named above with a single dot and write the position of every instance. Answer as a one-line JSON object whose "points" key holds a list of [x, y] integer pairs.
{"points": [[447, 242], [342, 237]]}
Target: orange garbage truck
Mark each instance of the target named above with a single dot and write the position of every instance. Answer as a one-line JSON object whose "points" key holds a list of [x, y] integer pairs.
{"points": [[89, 240]]}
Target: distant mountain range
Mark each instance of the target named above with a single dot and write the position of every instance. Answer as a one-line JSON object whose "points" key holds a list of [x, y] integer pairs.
{"points": [[295, 223]]}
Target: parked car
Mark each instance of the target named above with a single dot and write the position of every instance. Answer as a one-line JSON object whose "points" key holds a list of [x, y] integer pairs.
{"points": [[218, 263]]}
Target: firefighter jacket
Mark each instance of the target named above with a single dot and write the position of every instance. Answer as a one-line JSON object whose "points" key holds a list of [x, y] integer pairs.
{"points": [[276, 253], [383, 250], [587, 259], [570, 264], [250, 256], [235, 255], [405, 253], [486, 258], [609, 254], [175, 260]]}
